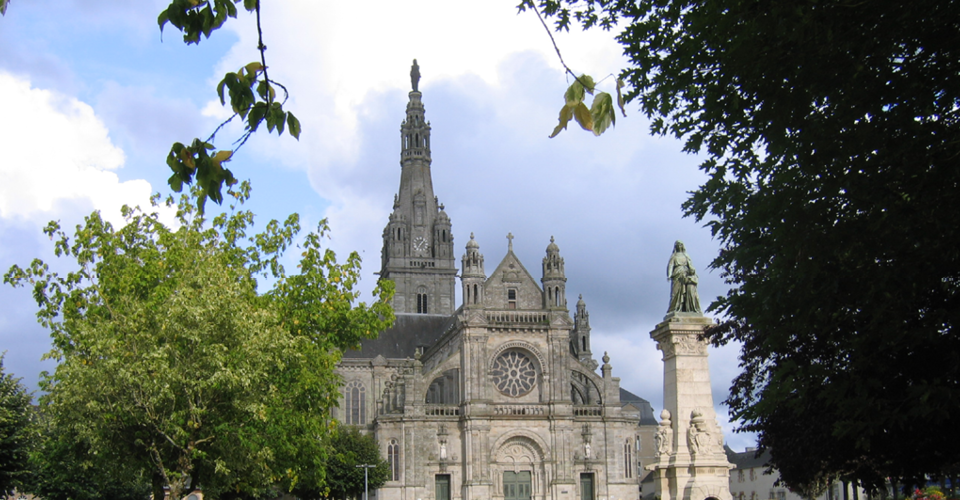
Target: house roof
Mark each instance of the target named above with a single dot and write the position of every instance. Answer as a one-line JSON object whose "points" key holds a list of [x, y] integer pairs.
{"points": [[747, 459], [646, 410]]}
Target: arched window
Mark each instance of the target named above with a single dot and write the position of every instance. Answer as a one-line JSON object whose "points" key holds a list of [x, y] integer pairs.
{"points": [[584, 341], [628, 458], [476, 298], [393, 458], [556, 296], [356, 404], [422, 300]]}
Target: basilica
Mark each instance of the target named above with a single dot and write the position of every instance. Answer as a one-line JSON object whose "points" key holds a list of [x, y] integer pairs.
{"points": [[500, 397]]}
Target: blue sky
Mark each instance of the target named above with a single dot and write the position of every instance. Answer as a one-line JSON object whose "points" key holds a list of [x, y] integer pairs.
{"points": [[95, 98]]}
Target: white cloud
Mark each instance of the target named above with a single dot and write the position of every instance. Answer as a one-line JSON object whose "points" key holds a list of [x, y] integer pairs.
{"points": [[56, 152]]}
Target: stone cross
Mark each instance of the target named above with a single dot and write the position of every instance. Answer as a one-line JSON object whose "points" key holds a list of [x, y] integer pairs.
{"points": [[510, 241]]}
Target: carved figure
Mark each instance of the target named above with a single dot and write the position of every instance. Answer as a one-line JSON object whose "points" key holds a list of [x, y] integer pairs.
{"points": [[664, 436], [415, 76], [693, 439], [443, 450], [683, 281], [586, 450], [663, 440]]}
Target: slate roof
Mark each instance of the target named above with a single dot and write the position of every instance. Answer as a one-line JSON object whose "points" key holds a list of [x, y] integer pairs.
{"points": [[646, 410], [400, 341], [747, 459]]}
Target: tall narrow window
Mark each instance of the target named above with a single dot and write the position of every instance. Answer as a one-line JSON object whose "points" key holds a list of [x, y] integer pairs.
{"points": [[512, 298], [628, 459], [475, 298], [556, 296], [422, 300], [393, 457], [356, 403]]}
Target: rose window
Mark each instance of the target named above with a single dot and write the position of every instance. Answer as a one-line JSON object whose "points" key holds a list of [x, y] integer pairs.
{"points": [[514, 374]]}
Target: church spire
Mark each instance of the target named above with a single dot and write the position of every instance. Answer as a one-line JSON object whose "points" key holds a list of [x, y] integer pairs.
{"points": [[418, 247], [415, 130]]}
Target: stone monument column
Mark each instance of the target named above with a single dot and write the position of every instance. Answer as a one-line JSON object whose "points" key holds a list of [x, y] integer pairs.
{"points": [[691, 463]]}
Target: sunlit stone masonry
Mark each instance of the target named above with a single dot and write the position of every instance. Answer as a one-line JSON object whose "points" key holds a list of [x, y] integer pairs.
{"points": [[501, 398]]}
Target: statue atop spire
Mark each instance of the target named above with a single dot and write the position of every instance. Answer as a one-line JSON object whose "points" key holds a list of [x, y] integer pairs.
{"points": [[415, 76]]}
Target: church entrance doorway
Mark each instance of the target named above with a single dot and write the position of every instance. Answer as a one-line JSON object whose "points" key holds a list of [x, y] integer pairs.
{"points": [[442, 486], [586, 486], [516, 485]]}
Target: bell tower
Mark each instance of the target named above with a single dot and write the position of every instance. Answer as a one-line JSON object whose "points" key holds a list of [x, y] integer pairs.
{"points": [[417, 250]]}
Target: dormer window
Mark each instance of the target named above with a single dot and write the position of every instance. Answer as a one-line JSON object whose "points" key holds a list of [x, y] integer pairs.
{"points": [[512, 298]]}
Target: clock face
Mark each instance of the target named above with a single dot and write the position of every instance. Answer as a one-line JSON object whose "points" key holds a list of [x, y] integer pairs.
{"points": [[420, 245]]}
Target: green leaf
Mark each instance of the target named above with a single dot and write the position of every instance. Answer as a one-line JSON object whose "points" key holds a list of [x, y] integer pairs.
{"points": [[293, 124], [175, 182], [602, 113], [582, 114], [253, 68], [566, 113], [574, 93], [162, 19], [257, 114]]}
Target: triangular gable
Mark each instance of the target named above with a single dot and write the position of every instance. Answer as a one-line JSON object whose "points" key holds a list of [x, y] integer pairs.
{"points": [[511, 274]]}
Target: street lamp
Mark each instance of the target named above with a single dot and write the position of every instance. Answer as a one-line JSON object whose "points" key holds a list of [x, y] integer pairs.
{"points": [[366, 490]]}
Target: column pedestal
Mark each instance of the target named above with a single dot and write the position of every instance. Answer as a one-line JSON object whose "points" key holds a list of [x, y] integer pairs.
{"points": [[691, 463]]}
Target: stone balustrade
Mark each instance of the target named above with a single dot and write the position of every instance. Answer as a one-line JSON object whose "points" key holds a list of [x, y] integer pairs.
{"points": [[441, 411], [517, 317], [519, 410], [588, 411]]}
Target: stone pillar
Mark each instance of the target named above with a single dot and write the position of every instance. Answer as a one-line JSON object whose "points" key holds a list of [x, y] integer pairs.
{"points": [[691, 464]]}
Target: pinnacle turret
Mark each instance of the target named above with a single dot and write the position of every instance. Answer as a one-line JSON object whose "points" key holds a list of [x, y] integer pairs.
{"points": [[554, 280], [473, 275]]}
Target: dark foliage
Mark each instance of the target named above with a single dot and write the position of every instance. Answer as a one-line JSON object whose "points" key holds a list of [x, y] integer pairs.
{"points": [[349, 448], [16, 437], [832, 146]]}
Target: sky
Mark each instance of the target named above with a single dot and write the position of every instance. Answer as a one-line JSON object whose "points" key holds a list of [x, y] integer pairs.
{"points": [[95, 96]]}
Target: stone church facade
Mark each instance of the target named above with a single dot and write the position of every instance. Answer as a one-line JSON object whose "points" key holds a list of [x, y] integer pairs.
{"points": [[498, 398]]}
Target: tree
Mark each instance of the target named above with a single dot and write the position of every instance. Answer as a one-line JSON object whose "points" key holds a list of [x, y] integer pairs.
{"points": [[16, 436], [251, 92], [62, 468], [350, 449], [170, 359], [831, 135]]}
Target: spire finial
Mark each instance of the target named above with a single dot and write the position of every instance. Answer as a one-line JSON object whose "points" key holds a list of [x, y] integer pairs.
{"points": [[415, 76], [510, 242]]}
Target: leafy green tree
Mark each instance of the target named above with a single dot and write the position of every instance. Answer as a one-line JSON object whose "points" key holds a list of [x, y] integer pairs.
{"points": [[16, 432], [831, 137], [63, 468], [171, 362], [350, 448]]}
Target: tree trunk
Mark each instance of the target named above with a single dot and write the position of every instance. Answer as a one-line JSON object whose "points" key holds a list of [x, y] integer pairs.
{"points": [[157, 486]]}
